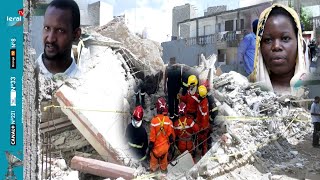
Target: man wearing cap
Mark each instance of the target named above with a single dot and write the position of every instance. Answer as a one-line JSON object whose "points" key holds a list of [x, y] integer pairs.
{"points": [[246, 51]]}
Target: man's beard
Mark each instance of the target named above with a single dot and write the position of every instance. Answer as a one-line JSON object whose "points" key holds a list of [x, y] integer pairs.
{"points": [[57, 57]]}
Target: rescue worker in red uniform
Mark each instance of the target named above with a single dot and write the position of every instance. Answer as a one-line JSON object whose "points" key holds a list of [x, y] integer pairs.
{"points": [[184, 128], [213, 110], [191, 98], [161, 136], [137, 136], [203, 119]]}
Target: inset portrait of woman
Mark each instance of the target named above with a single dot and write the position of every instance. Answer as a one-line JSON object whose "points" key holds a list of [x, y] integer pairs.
{"points": [[279, 62]]}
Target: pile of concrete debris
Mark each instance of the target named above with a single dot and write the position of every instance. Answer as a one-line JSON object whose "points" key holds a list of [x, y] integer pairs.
{"points": [[145, 50], [97, 103], [255, 127]]}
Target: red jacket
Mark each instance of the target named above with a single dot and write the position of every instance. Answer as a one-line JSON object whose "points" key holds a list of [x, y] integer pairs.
{"points": [[203, 114], [191, 102], [184, 127]]}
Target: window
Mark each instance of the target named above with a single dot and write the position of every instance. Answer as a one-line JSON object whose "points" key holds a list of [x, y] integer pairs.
{"points": [[241, 24], [229, 25]]}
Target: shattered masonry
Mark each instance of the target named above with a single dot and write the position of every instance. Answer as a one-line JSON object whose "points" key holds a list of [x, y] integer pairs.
{"points": [[256, 135]]}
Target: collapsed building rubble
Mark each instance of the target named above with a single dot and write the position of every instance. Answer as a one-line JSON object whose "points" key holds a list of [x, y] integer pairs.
{"points": [[255, 131], [261, 129], [97, 103]]}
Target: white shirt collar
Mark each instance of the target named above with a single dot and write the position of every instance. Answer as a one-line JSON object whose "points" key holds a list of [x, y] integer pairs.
{"points": [[71, 72]]}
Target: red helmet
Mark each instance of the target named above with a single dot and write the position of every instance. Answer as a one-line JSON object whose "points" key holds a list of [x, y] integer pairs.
{"points": [[161, 106], [138, 113], [182, 108]]}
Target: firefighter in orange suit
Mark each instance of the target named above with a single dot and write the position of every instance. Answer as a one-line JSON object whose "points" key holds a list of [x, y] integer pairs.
{"points": [[184, 128], [191, 98], [161, 136], [203, 119]]}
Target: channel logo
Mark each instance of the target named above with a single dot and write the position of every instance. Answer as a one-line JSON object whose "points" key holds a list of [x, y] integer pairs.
{"points": [[13, 128], [15, 20], [13, 57], [13, 93]]}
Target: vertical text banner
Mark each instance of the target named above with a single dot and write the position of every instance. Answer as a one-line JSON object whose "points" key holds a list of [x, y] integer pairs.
{"points": [[11, 72]]}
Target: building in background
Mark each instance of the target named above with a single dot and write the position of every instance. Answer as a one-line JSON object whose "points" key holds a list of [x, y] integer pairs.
{"points": [[217, 32]]}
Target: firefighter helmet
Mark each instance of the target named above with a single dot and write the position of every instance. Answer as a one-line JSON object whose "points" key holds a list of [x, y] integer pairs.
{"points": [[161, 106], [192, 80], [202, 91], [182, 108], [138, 113]]}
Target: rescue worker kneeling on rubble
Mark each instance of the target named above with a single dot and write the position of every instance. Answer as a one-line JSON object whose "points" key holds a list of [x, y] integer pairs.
{"points": [[203, 119], [184, 128], [137, 136], [191, 98], [161, 136]]}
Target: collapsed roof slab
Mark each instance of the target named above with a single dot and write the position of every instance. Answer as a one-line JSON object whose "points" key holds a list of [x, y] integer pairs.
{"points": [[97, 103], [83, 124]]}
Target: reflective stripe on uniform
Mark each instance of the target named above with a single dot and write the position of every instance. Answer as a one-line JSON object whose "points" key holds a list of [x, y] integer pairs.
{"points": [[135, 145], [202, 113], [183, 126], [191, 125], [158, 124], [143, 158], [180, 127], [195, 98], [184, 84], [161, 123], [214, 109]]}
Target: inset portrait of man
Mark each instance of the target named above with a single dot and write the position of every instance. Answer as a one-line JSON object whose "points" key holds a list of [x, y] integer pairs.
{"points": [[61, 28]]}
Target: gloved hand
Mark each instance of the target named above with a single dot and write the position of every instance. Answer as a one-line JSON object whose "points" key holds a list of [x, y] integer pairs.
{"points": [[150, 147]]}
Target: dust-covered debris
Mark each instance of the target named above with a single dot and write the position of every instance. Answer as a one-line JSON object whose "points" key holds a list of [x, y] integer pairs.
{"points": [[255, 136], [146, 50], [262, 129]]}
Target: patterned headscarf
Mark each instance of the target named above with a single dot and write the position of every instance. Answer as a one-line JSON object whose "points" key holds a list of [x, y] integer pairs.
{"points": [[260, 73]]}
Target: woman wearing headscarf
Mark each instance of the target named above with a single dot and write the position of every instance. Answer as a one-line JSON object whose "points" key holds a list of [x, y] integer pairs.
{"points": [[279, 63]]}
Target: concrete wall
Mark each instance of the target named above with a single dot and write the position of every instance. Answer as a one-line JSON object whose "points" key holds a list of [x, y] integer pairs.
{"points": [[207, 26], [215, 9], [185, 54], [36, 34], [93, 13], [179, 14], [83, 6]]}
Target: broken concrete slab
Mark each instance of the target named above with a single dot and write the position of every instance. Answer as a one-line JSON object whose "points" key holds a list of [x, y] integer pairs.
{"points": [[59, 141], [184, 163], [96, 103], [101, 168]]}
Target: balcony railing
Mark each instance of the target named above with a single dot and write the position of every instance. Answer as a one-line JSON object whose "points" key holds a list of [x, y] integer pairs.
{"points": [[229, 37]]}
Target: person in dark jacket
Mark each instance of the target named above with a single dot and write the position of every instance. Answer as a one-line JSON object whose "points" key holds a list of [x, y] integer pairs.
{"points": [[137, 136], [172, 81]]}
